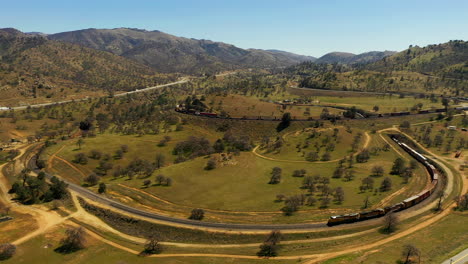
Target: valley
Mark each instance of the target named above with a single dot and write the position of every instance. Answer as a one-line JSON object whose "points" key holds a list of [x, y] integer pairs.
{"points": [[133, 134]]}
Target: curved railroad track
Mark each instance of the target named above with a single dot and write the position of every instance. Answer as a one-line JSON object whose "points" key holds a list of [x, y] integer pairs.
{"points": [[86, 193]]}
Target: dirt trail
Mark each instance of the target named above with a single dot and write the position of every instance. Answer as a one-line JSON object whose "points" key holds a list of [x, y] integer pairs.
{"points": [[51, 158], [71, 165], [44, 218], [254, 151]]}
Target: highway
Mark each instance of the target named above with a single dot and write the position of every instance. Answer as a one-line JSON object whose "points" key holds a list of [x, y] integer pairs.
{"points": [[183, 80], [84, 99]]}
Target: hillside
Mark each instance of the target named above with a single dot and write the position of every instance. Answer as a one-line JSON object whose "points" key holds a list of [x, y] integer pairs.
{"points": [[33, 67], [438, 69], [448, 59], [168, 53], [335, 57], [350, 58]]}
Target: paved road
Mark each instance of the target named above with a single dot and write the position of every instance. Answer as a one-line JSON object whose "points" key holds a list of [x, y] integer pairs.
{"points": [[109, 202], [84, 99], [183, 80], [461, 258]]}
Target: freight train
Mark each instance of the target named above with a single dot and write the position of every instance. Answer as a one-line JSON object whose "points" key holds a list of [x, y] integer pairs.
{"points": [[363, 114], [411, 201]]}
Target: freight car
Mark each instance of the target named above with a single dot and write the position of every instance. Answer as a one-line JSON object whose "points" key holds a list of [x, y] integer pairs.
{"points": [[206, 114], [399, 113], [371, 214]]}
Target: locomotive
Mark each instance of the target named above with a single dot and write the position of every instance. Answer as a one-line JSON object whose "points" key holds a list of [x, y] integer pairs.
{"points": [[409, 202]]}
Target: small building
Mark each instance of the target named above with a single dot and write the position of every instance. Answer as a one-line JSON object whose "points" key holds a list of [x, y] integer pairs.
{"points": [[452, 127]]}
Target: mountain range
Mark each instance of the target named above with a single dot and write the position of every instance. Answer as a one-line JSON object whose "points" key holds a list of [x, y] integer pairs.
{"points": [[168, 53], [37, 65]]}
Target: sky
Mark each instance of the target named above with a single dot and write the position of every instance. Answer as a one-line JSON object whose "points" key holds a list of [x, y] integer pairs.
{"points": [[313, 27]]}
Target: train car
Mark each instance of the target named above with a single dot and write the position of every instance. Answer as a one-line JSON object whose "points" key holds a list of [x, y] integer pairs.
{"points": [[424, 194], [433, 185], [398, 207], [343, 219], [207, 114], [435, 177], [395, 208], [414, 153], [439, 110], [423, 111], [371, 214], [433, 172], [399, 113], [411, 201]]}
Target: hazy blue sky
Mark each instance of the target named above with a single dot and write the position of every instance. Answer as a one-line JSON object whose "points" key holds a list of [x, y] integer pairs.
{"points": [[305, 27]]}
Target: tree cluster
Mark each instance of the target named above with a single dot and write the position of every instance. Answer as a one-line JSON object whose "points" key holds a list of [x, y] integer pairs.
{"points": [[32, 190]]}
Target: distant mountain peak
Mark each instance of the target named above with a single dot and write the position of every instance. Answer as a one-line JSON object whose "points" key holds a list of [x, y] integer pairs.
{"points": [[350, 58]]}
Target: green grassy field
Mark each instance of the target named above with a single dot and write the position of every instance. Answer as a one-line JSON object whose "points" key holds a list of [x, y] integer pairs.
{"points": [[239, 106], [239, 186], [297, 144], [143, 147], [366, 102], [450, 140]]}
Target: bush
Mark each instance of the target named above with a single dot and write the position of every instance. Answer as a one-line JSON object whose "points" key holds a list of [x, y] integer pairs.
{"points": [[197, 214], [81, 158], [102, 188], [92, 179], [211, 164], [7, 251], [75, 240], [152, 246]]}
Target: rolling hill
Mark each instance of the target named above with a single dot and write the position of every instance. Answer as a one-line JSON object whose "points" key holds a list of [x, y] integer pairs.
{"points": [[438, 69], [34, 67], [448, 60], [350, 58], [168, 53]]}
